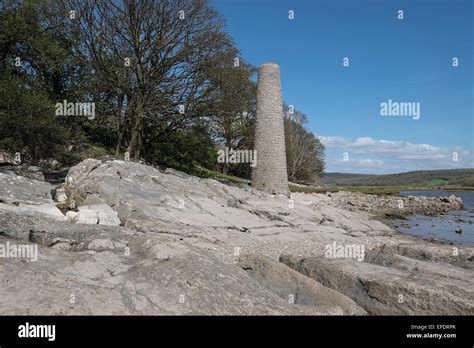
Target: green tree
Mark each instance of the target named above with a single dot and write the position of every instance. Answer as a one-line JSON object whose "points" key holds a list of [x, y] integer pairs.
{"points": [[32, 63], [231, 106], [304, 152], [146, 55]]}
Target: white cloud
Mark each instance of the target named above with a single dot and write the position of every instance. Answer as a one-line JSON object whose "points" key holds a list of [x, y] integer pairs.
{"points": [[398, 149], [371, 163], [333, 141], [362, 163], [391, 156], [362, 142]]}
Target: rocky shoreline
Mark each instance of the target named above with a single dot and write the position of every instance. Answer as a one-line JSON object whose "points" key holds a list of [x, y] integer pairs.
{"points": [[393, 210], [393, 206], [125, 238]]}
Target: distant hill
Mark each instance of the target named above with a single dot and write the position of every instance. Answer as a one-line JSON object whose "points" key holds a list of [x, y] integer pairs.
{"points": [[435, 178]]}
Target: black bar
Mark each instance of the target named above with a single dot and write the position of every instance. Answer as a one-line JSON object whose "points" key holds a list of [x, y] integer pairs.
{"points": [[287, 330]]}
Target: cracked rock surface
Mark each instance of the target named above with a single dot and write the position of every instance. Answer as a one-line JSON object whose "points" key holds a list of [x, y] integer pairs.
{"points": [[131, 239]]}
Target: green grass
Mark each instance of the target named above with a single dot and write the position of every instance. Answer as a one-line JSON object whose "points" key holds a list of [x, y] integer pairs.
{"points": [[212, 174], [458, 188], [376, 190], [436, 184], [396, 189]]}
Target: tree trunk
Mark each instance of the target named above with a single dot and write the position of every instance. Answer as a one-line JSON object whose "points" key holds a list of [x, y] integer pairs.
{"points": [[136, 141]]}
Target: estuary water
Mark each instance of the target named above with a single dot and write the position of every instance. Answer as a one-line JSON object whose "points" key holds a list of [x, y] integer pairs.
{"points": [[442, 227]]}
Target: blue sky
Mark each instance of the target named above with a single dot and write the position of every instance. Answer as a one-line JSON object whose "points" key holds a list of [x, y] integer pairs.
{"points": [[407, 60]]}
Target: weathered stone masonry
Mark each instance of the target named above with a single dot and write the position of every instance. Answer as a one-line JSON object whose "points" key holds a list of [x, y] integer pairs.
{"points": [[270, 174]]}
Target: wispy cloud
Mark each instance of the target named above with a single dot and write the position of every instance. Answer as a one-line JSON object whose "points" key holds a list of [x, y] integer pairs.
{"points": [[385, 156], [364, 163]]}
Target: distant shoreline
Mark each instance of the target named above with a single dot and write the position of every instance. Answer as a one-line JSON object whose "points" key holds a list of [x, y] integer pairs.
{"points": [[451, 179], [375, 189]]}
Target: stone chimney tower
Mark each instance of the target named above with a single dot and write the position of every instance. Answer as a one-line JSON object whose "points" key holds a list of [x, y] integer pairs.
{"points": [[270, 172]]}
